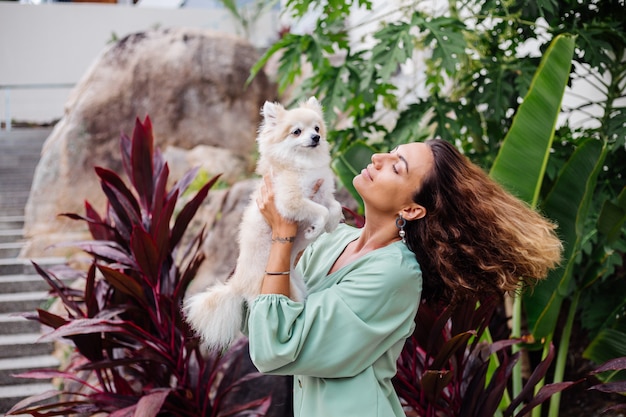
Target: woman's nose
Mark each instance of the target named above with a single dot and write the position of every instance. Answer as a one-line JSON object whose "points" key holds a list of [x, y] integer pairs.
{"points": [[377, 159]]}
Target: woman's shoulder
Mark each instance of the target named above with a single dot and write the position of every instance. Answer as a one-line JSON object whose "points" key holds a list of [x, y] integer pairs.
{"points": [[395, 262]]}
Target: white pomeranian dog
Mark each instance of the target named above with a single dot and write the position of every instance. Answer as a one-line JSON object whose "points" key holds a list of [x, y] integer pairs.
{"points": [[292, 146]]}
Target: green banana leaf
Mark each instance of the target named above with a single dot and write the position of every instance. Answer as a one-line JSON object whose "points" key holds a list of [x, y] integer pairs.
{"points": [[609, 344], [567, 204], [349, 163], [521, 161], [612, 217]]}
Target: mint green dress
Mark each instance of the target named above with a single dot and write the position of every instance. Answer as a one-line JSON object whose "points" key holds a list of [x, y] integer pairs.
{"points": [[342, 343]]}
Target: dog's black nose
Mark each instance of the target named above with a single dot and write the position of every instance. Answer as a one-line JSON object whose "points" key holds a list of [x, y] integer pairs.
{"points": [[315, 139]]}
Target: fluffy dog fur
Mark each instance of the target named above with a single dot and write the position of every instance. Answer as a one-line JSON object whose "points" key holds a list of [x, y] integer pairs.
{"points": [[293, 147]]}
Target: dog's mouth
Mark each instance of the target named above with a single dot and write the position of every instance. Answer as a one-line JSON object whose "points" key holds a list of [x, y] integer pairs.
{"points": [[314, 141]]}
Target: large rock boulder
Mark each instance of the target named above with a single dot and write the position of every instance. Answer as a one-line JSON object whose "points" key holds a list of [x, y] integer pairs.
{"points": [[190, 82]]}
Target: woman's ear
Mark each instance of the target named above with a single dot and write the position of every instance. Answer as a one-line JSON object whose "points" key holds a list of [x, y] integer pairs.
{"points": [[413, 212]]}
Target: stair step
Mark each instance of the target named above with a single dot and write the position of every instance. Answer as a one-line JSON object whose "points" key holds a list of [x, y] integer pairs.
{"points": [[23, 345], [10, 249], [27, 282], [14, 324], [19, 266], [23, 301], [13, 366], [11, 222], [11, 235], [12, 394]]}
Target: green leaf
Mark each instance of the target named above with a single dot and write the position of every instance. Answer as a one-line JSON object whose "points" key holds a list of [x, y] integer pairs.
{"points": [[609, 344], [446, 36], [612, 217], [522, 159], [408, 127], [349, 163], [334, 92], [394, 47], [567, 204]]}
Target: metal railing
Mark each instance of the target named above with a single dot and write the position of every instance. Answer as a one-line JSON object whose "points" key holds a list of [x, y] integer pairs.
{"points": [[7, 96]]}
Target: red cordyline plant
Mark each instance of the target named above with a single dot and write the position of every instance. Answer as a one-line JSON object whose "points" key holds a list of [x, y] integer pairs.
{"points": [[449, 369], [133, 353]]}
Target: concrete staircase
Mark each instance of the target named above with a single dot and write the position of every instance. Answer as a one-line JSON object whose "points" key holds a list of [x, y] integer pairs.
{"points": [[21, 289]]}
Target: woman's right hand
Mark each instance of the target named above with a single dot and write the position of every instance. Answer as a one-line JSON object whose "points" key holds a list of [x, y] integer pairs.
{"points": [[281, 228]]}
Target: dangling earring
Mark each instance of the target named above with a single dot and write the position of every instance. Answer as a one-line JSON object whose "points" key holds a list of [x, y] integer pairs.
{"points": [[400, 223]]}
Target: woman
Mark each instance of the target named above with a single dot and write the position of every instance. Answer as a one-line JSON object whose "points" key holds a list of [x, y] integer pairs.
{"points": [[435, 224]]}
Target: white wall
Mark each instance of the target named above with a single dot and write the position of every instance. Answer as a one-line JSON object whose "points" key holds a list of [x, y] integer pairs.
{"points": [[55, 43]]}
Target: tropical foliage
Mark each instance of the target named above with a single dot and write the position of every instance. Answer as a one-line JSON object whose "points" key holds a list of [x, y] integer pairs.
{"points": [[446, 368], [132, 353]]}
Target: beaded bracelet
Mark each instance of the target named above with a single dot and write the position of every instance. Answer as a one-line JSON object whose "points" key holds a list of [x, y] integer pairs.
{"points": [[289, 239], [278, 273]]}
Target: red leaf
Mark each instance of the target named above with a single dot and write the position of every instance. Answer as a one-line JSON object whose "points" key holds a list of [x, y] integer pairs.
{"points": [[145, 253], [162, 228], [527, 393], [59, 289], [24, 404], [125, 148], [53, 373], [107, 250], [124, 412], [91, 300], [141, 161], [616, 407], [120, 199], [149, 405], [181, 186], [187, 213], [51, 320], [617, 387], [83, 327], [159, 197], [544, 394], [98, 229], [451, 347], [257, 408], [617, 364], [433, 382], [124, 283]]}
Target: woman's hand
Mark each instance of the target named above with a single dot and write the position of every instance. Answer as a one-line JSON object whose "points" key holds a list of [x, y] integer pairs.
{"points": [[281, 227]]}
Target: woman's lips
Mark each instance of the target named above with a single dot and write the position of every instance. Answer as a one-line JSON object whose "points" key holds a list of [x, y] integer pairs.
{"points": [[366, 174]]}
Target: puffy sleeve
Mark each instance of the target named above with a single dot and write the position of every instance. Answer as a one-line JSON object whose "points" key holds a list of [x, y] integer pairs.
{"points": [[340, 330]]}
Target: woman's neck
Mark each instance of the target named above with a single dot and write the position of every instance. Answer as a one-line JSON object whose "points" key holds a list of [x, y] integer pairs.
{"points": [[371, 238], [376, 234]]}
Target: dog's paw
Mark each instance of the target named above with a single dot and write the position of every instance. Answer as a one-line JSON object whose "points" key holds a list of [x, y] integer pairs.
{"points": [[335, 216], [313, 231]]}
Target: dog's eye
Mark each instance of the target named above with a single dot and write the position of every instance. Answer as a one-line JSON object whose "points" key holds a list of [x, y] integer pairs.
{"points": [[296, 132], [317, 129]]}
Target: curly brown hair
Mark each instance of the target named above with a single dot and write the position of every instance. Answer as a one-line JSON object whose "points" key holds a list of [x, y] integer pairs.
{"points": [[476, 239]]}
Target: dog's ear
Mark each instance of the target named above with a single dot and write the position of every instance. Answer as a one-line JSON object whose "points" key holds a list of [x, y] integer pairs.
{"points": [[314, 105], [271, 112]]}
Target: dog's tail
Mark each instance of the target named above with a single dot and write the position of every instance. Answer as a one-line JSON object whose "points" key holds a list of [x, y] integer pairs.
{"points": [[215, 315]]}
